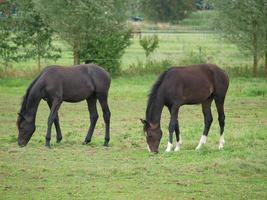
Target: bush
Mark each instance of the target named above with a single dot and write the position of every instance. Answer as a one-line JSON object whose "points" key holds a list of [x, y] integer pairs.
{"points": [[149, 44], [195, 57], [107, 50], [149, 67]]}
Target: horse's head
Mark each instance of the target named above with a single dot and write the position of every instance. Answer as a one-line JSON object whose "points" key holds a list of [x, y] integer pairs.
{"points": [[153, 135], [26, 129]]}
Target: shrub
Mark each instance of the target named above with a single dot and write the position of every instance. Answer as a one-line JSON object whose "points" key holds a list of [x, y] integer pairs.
{"points": [[149, 44], [149, 67], [107, 50]]}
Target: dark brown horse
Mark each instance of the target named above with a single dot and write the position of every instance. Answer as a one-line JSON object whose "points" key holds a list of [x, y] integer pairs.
{"points": [[56, 84], [196, 84]]}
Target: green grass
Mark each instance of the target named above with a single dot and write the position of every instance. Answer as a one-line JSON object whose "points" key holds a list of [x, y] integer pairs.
{"points": [[178, 48], [126, 170]]}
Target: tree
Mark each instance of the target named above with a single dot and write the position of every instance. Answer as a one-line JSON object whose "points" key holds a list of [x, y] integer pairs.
{"points": [[84, 23], [167, 10], [24, 35], [34, 32], [8, 49], [106, 50], [244, 22]]}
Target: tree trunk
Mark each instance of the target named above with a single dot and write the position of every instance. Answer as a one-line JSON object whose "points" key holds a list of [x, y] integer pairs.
{"points": [[76, 54], [39, 62], [266, 54], [255, 63], [255, 50], [266, 62]]}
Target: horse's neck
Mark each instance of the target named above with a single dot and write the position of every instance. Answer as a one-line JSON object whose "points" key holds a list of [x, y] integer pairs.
{"points": [[33, 103], [155, 110]]}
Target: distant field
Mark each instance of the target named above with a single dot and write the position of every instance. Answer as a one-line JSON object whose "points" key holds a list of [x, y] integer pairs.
{"points": [[126, 170], [175, 47]]}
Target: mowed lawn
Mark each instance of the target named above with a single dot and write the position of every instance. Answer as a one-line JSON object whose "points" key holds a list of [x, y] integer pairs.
{"points": [[126, 170]]}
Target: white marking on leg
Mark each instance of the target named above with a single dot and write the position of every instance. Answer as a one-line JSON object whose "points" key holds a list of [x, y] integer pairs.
{"points": [[202, 141], [148, 148], [178, 146], [169, 147], [221, 142]]}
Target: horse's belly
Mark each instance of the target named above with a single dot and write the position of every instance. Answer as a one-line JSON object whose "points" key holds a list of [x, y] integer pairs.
{"points": [[77, 95], [197, 96]]}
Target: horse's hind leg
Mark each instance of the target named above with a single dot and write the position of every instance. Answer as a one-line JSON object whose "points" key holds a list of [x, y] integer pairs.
{"points": [[206, 109], [52, 116], [219, 101], [91, 103], [106, 115], [56, 122]]}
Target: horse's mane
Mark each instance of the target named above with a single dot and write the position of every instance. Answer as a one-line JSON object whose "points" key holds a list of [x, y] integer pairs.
{"points": [[154, 91], [26, 96]]}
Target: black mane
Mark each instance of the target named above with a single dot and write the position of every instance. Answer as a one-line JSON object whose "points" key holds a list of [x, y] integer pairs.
{"points": [[25, 97], [153, 92]]}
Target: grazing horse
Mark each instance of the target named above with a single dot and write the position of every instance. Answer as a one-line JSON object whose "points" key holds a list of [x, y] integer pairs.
{"points": [[177, 86], [56, 84]]}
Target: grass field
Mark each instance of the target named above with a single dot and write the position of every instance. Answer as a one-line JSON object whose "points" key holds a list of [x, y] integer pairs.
{"points": [[175, 47], [126, 170]]}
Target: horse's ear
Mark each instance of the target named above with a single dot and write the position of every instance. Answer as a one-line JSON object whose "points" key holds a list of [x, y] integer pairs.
{"points": [[19, 114], [143, 121], [146, 124]]}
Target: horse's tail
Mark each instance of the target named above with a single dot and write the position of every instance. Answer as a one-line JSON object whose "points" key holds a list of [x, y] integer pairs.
{"points": [[221, 81], [26, 96]]}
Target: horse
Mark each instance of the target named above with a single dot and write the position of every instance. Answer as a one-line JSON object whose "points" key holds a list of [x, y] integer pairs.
{"points": [[185, 85], [56, 84]]}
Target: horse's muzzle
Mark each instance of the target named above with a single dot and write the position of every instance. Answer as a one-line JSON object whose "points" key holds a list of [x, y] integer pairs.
{"points": [[22, 144]]}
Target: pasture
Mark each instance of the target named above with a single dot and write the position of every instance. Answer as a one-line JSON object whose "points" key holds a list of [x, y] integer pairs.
{"points": [[126, 170], [176, 48], [71, 170]]}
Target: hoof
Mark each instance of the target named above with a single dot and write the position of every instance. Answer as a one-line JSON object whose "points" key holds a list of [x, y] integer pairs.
{"points": [[105, 144], [59, 140], [48, 146], [198, 148], [169, 147], [86, 142], [178, 147], [221, 146]]}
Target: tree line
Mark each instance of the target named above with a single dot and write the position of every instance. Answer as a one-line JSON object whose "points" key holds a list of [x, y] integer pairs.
{"points": [[97, 30]]}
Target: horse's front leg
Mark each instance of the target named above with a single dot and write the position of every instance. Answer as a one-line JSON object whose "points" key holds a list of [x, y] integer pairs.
{"points": [[52, 116], [56, 122], [172, 127]]}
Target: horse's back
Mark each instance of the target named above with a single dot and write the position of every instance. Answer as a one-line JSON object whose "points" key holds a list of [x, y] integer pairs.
{"points": [[194, 84], [75, 83]]}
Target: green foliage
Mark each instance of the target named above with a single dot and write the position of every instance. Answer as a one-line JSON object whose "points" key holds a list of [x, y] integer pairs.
{"points": [[149, 44], [8, 48], [243, 22], [97, 24], [24, 34], [168, 10], [107, 49], [148, 67], [35, 34], [197, 56]]}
